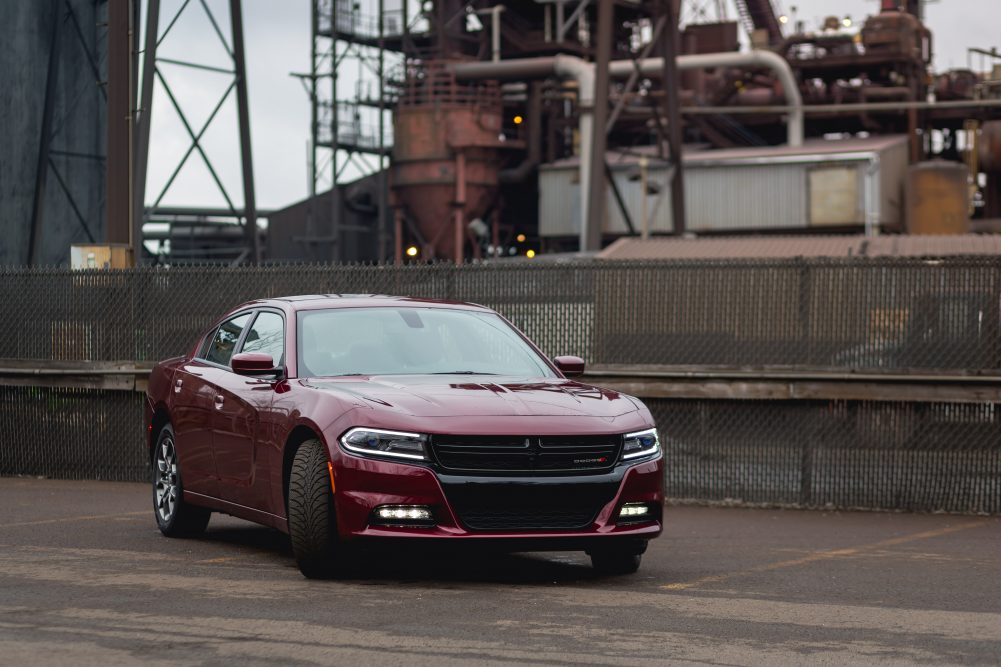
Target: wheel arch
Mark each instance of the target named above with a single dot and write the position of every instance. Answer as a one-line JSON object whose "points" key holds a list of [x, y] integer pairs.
{"points": [[298, 435], [160, 418]]}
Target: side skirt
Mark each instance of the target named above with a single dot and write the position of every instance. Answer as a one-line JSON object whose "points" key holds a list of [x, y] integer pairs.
{"points": [[239, 511]]}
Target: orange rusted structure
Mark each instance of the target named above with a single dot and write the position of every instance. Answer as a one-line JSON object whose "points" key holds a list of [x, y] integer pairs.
{"points": [[446, 157]]}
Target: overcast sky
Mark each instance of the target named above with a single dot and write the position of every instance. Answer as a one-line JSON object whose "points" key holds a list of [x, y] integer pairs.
{"points": [[277, 39]]}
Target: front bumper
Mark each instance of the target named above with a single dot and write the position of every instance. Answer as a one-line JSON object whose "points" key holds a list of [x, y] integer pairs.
{"points": [[363, 484]]}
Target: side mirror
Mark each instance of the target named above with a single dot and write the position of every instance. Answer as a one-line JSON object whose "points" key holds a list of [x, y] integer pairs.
{"points": [[253, 363], [570, 366]]}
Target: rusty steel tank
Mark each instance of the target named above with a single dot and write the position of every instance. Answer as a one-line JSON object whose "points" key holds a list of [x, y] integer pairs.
{"points": [[446, 156], [894, 33]]}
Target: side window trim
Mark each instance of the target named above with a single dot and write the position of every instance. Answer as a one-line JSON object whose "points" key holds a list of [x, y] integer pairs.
{"points": [[252, 312], [203, 348], [257, 314]]}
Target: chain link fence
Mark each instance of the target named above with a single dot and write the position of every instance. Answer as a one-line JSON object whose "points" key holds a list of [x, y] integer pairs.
{"points": [[926, 456], [938, 316], [842, 454], [72, 433], [896, 317]]}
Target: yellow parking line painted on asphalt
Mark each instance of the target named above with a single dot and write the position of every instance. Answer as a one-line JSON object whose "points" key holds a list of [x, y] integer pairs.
{"points": [[824, 555], [70, 519]]}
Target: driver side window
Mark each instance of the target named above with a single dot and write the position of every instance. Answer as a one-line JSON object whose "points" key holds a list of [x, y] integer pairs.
{"points": [[225, 339], [267, 336]]}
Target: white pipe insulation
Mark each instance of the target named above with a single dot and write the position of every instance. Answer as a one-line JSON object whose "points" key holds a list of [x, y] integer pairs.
{"points": [[582, 72]]}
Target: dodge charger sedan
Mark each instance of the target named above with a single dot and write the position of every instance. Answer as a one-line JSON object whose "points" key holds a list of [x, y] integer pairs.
{"points": [[347, 421]]}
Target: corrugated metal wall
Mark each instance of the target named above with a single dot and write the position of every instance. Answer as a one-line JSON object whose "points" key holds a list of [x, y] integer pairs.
{"points": [[78, 126], [732, 195]]}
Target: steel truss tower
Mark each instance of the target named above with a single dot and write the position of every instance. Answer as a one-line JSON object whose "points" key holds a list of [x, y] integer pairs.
{"points": [[154, 70], [356, 62]]}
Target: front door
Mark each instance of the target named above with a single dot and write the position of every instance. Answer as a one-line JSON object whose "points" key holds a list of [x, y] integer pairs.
{"points": [[191, 412], [241, 424]]}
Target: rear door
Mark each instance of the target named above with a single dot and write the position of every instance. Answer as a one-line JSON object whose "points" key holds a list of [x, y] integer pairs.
{"points": [[192, 406], [240, 430]]}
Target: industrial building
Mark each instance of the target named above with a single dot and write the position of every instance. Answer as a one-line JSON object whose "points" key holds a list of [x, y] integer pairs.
{"points": [[482, 130]]}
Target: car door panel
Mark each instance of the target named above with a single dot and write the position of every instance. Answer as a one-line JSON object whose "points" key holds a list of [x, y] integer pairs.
{"points": [[190, 405], [193, 409], [242, 405], [236, 438]]}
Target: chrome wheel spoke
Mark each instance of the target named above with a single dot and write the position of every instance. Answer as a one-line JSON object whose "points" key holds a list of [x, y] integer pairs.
{"points": [[165, 488]]}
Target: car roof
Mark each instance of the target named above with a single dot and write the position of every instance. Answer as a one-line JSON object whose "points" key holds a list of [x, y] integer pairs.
{"points": [[325, 301]]}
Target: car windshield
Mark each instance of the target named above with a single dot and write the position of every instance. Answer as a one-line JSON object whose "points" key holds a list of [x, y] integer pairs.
{"points": [[412, 341]]}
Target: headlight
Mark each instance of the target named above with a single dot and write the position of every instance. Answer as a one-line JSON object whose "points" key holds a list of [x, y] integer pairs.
{"points": [[376, 442], [640, 444]]}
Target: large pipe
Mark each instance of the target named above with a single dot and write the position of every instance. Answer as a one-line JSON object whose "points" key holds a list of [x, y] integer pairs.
{"points": [[571, 67], [757, 58], [495, 30], [563, 67]]}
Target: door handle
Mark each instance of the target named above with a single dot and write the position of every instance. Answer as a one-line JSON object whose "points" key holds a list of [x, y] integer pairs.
{"points": [[177, 385], [218, 402]]}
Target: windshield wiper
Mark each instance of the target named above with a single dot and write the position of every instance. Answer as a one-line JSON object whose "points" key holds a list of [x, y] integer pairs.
{"points": [[462, 373]]}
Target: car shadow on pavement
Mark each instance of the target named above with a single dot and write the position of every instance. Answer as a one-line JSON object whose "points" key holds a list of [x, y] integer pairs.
{"points": [[477, 566], [394, 564], [250, 536]]}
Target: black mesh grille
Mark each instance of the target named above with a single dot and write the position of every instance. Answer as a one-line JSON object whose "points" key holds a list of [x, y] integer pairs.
{"points": [[527, 519], [475, 453], [528, 506]]}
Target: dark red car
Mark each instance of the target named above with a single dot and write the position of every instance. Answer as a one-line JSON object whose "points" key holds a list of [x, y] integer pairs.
{"points": [[344, 420]]}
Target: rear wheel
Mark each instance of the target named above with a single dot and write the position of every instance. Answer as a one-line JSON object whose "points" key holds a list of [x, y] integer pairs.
{"points": [[174, 516], [311, 521]]}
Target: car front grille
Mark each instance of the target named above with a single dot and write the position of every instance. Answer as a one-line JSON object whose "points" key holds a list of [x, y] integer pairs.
{"points": [[526, 519], [526, 454], [523, 505]]}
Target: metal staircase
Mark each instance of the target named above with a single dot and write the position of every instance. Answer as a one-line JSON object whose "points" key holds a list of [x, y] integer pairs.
{"points": [[758, 15]]}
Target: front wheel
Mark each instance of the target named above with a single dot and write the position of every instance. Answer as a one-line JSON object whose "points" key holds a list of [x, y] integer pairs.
{"points": [[611, 563], [618, 559], [174, 517], [311, 521]]}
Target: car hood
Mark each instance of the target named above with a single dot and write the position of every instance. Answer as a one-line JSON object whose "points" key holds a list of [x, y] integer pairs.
{"points": [[477, 395]]}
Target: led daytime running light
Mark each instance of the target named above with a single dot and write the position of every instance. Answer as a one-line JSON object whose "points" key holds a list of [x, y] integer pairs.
{"points": [[648, 451], [357, 448]]}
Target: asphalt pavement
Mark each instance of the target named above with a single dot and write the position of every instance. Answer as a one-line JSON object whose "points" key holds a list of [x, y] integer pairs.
{"points": [[86, 578]]}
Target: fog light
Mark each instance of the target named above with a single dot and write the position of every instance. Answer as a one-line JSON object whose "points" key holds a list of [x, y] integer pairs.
{"points": [[634, 512], [634, 509], [403, 515]]}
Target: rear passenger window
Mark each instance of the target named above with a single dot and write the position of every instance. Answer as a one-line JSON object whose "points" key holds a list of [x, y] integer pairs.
{"points": [[226, 336], [267, 336]]}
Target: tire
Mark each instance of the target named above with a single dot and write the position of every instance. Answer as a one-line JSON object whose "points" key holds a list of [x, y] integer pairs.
{"points": [[612, 563], [618, 559], [311, 519], [174, 516]]}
